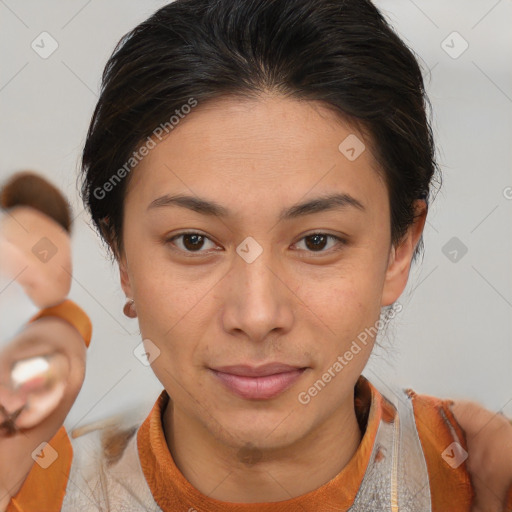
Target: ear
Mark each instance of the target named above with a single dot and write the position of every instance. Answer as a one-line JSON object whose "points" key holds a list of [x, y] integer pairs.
{"points": [[108, 234], [124, 276], [400, 257]]}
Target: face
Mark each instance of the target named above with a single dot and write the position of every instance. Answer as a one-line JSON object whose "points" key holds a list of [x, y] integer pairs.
{"points": [[257, 280]]}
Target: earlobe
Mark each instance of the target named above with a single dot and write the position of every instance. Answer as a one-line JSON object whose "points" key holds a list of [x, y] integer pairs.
{"points": [[401, 256]]}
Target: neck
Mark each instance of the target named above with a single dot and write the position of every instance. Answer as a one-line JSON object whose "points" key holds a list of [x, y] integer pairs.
{"points": [[221, 472]]}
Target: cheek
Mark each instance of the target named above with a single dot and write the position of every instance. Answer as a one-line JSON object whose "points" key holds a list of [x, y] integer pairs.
{"points": [[348, 312], [169, 310], [348, 305]]}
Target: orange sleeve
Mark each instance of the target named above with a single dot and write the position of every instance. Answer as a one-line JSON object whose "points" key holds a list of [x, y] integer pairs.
{"points": [[44, 489], [509, 494], [450, 484], [72, 313]]}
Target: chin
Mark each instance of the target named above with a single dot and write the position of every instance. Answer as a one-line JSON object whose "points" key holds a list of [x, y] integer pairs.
{"points": [[269, 433]]}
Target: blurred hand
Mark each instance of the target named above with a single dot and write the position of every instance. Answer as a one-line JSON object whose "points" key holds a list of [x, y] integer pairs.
{"points": [[42, 367], [489, 439], [50, 400]]}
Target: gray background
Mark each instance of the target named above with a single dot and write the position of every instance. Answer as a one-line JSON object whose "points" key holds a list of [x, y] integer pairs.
{"points": [[453, 337]]}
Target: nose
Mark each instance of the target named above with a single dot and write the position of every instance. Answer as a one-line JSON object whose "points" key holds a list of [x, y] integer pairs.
{"points": [[259, 301]]}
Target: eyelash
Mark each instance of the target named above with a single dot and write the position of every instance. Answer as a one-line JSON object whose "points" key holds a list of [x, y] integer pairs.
{"points": [[341, 241]]}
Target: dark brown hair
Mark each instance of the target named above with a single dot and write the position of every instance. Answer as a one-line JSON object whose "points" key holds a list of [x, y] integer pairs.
{"points": [[340, 52], [26, 188]]}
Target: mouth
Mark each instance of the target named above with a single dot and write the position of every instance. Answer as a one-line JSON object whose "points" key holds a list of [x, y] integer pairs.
{"points": [[258, 383]]}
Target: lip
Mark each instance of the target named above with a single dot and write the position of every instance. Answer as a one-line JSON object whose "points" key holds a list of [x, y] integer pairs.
{"points": [[258, 383], [244, 370]]}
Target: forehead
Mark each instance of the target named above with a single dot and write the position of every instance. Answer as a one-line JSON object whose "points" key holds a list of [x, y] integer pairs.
{"points": [[259, 150]]}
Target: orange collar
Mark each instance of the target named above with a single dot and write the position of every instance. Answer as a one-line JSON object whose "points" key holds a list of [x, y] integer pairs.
{"points": [[172, 491]]}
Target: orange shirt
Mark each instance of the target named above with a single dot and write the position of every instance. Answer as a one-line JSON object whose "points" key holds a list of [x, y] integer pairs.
{"points": [[451, 488], [165, 488], [44, 489]]}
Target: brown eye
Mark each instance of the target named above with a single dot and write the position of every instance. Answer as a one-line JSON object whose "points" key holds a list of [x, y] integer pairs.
{"points": [[190, 242], [193, 242], [317, 242]]}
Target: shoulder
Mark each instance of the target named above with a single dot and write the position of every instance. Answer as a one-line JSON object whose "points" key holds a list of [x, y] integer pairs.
{"points": [[45, 486], [445, 449], [88, 468], [106, 470]]}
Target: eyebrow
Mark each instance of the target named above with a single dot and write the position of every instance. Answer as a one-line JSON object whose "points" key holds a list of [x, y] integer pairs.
{"points": [[338, 201]]}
